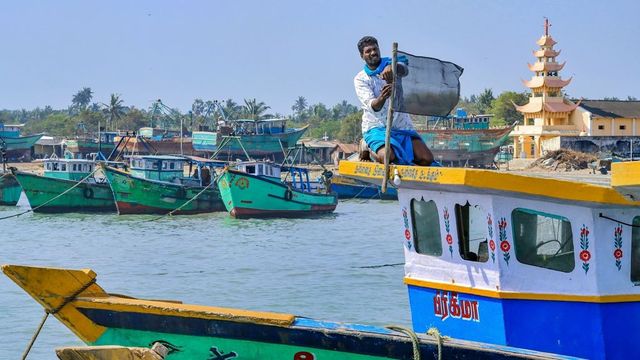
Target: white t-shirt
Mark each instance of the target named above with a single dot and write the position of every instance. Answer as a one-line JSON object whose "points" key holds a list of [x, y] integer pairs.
{"points": [[368, 88]]}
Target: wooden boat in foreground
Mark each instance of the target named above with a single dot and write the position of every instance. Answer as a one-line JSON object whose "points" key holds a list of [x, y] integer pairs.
{"points": [[156, 184], [259, 194], [58, 190], [205, 332], [10, 189]]}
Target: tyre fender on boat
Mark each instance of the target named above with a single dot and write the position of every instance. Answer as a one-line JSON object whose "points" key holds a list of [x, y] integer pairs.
{"points": [[288, 195], [88, 193]]}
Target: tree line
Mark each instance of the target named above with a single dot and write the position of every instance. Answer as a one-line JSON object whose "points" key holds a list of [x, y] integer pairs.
{"points": [[341, 121]]}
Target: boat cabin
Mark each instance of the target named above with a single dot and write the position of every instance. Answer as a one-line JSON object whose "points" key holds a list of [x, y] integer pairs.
{"points": [[266, 169], [10, 131], [157, 167], [253, 127], [68, 169], [535, 263]]}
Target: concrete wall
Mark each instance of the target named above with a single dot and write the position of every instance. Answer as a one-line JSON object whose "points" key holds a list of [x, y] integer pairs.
{"points": [[601, 145]]}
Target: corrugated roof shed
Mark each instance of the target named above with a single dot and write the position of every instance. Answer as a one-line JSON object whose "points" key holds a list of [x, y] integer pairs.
{"points": [[612, 108]]}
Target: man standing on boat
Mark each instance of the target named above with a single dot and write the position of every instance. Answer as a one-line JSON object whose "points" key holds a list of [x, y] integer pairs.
{"points": [[373, 87]]}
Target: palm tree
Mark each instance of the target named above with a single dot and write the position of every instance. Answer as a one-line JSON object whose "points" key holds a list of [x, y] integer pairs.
{"points": [[299, 106], [254, 109], [231, 109], [115, 110], [81, 99]]}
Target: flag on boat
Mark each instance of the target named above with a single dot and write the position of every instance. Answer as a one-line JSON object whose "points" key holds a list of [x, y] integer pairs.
{"points": [[426, 86]]}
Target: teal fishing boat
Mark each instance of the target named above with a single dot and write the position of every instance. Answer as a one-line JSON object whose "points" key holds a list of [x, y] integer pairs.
{"points": [[67, 185], [156, 184], [255, 138], [10, 189], [254, 191], [17, 147]]}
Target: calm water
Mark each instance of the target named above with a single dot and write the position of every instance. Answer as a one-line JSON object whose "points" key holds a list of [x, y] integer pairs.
{"points": [[308, 267]]}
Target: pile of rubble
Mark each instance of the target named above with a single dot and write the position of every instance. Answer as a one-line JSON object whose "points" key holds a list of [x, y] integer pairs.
{"points": [[565, 160]]}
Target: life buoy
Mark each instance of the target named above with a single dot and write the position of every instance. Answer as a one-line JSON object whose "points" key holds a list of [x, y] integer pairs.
{"points": [[88, 193], [288, 195]]}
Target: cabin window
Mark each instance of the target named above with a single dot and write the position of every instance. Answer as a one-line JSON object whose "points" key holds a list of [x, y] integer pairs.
{"points": [[635, 251], [74, 167], [250, 169], [543, 240], [90, 168], [55, 166], [48, 166], [172, 165], [426, 227], [260, 172], [164, 165], [472, 229], [63, 167], [154, 165]]}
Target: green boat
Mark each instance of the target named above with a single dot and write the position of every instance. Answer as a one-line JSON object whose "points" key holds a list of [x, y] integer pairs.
{"points": [[156, 184], [255, 138], [58, 190], [9, 189], [258, 192], [18, 147]]}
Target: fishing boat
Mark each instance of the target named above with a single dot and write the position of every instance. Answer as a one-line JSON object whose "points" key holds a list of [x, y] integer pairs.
{"points": [[466, 147], [82, 147], [156, 184], [255, 138], [532, 263], [67, 185], [18, 147], [256, 190], [10, 189], [107, 322], [349, 188]]}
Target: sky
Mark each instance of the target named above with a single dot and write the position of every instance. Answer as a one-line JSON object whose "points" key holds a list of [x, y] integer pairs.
{"points": [[275, 51]]}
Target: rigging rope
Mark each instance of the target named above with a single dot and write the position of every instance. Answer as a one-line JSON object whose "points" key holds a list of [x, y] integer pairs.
{"points": [[66, 301], [52, 199], [415, 342]]}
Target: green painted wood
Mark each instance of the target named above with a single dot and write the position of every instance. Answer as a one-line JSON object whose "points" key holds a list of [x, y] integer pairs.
{"points": [[135, 195], [262, 144], [9, 190], [199, 347], [245, 195], [87, 197]]}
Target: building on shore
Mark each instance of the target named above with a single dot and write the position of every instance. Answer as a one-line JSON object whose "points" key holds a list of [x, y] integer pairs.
{"points": [[548, 113], [551, 121]]}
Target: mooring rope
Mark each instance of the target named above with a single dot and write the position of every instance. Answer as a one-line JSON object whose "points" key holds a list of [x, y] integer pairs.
{"points": [[415, 342], [377, 266], [170, 213], [439, 338], [66, 301], [356, 195], [52, 199], [5, 174]]}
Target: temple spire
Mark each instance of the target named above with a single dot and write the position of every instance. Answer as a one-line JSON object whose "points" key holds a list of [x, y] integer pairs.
{"points": [[546, 26]]}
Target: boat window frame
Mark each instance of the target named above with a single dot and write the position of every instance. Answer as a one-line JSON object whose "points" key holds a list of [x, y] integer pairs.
{"points": [[523, 250], [634, 271], [481, 255], [417, 233]]}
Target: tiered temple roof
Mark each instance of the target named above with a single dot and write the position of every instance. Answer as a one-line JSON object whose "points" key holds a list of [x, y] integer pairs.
{"points": [[546, 97]]}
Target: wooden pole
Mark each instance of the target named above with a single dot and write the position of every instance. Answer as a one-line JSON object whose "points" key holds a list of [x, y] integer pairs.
{"points": [[387, 138]]}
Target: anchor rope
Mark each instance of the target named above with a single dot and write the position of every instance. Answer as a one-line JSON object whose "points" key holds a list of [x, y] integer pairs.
{"points": [[52, 199], [54, 311], [170, 213], [415, 342]]}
